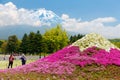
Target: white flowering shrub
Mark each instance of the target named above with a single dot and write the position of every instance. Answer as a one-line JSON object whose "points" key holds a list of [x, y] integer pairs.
{"points": [[93, 39]]}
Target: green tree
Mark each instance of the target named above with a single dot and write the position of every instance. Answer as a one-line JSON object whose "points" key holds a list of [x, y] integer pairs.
{"points": [[79, 36], [24, 44], [31, 42], [56, 38], [12, 44], [75, 37], [1, 42], [44, 46], [38, 42], [3, 47]]}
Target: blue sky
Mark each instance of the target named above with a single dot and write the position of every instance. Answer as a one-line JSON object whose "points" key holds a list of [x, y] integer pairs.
{"points": [[86, 15], [86, 9]]}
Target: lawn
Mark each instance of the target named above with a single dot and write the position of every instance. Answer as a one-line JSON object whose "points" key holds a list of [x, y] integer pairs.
{"points": [[17, 61], [4, 63]]}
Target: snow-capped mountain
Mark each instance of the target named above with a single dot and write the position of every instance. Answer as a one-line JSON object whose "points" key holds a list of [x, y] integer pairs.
{"points": [[33, 20], [47, 16]]}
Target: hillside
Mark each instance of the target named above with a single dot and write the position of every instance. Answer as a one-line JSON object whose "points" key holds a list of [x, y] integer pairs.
{"points": [[71, 63], [114, 40], [93, 39]]}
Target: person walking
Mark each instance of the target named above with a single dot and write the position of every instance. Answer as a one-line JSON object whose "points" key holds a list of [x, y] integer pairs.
{"points": [[11, 59], [23, 59]]}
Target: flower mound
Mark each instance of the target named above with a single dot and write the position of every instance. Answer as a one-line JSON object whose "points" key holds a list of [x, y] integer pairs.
{"points": [[64, 61], [94, 39]]}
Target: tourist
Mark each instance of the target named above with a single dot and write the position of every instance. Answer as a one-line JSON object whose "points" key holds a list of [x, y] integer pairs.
{"points": [[23, 59], [11, 59]]}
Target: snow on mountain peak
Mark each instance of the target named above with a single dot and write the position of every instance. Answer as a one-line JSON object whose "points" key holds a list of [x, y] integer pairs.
{"points": [[47, 16]]}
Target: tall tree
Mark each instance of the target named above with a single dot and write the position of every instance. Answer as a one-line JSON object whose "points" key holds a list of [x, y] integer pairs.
{"points": [[38, 42], [31, 42], [12, 44], [56, 38], [24, 44]]}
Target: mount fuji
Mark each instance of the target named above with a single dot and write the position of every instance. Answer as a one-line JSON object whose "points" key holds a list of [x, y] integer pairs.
{"points": [[50, 17], [43, 19]]}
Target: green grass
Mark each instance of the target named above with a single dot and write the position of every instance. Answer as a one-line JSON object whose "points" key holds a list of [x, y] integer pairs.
{"points": [[4, 64]]}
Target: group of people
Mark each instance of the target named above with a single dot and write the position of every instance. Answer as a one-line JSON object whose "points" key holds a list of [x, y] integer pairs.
{"points": [[11, 59]]}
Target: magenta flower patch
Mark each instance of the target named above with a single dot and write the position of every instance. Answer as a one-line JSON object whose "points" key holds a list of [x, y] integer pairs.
{"points": [[65, 60]]}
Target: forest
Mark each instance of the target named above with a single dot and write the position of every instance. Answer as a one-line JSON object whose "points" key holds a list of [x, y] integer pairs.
{"points": [[36, 43]]}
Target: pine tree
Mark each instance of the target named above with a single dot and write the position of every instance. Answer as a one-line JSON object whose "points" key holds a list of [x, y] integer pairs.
{"points": [[24, 44], [12, 44]]}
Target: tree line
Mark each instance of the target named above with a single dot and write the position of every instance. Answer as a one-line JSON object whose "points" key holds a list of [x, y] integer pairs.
{"points": [[36, 43]]}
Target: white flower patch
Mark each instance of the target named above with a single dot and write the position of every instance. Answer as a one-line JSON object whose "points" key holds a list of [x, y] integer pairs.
{"points": [[93, 39]]}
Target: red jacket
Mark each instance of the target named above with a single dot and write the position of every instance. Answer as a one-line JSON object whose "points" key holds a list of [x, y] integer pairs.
{"points": [[11, 58]]}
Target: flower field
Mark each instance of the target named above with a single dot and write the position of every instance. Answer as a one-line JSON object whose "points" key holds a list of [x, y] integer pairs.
{"points": [[70, 63]]}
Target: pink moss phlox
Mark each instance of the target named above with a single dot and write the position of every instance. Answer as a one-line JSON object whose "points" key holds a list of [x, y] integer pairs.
{"points": [[64, 60]]}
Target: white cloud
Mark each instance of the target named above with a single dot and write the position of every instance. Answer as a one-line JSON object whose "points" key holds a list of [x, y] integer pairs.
{"points": [[104, 20], [96, 25], [8, 14], [11, 15], [65, 16]]}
